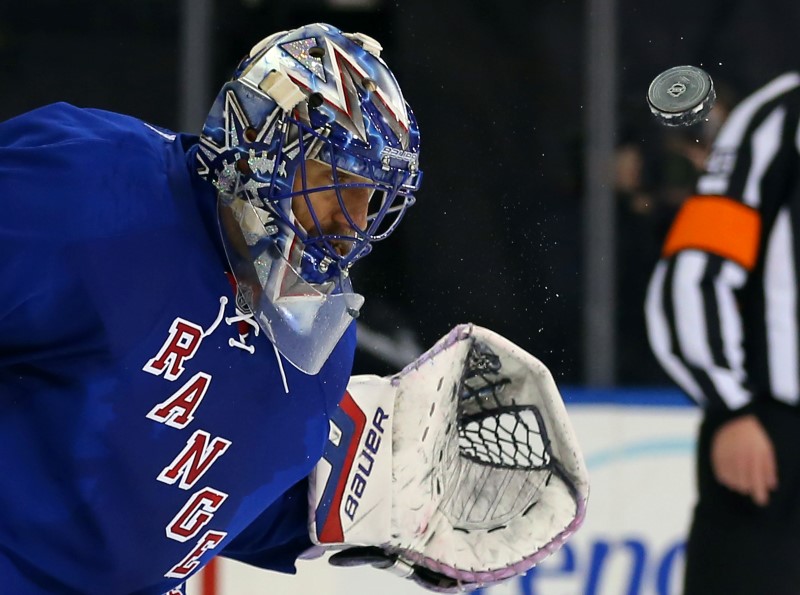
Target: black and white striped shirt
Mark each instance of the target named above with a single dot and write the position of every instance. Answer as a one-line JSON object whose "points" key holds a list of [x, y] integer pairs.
{"points": [[722, 307]]}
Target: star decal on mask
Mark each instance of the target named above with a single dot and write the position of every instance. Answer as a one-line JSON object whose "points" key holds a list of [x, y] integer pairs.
{"points": [[299, 50], [342, 82], [222, 158]]}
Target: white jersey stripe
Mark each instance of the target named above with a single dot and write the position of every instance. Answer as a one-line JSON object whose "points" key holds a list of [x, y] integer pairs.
{"points": [[729, 388], [658, 334], [687, 299], [797, 139], [780, 294], [731, 277], [692, 330], [765, 144]]}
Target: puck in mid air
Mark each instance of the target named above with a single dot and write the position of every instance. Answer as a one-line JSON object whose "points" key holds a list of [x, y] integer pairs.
{"points": [[681, 96]]}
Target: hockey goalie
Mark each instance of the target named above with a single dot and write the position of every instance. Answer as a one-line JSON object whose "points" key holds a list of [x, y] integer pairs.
{"points": [[460, 471]]}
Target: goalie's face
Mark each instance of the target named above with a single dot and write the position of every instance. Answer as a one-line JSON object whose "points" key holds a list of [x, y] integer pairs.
{"points": [[331, 205]]}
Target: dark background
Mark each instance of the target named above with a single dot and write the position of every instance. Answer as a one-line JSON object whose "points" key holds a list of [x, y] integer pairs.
{"points": [[499, 92]]}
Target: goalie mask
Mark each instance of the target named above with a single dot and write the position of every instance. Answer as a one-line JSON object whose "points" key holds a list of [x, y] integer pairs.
{"points": [[312, 129]]}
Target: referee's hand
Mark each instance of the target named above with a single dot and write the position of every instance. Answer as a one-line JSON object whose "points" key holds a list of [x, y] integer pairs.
{"points": [[743, 458]]}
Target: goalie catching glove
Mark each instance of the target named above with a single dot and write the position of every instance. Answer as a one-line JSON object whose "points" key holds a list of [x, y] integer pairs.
{"points": [[458, 472]]}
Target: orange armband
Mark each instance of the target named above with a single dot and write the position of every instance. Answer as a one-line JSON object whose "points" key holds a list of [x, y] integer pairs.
{"points": [[719, 225]]}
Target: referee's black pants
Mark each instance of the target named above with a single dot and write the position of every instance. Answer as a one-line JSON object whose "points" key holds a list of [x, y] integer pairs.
{"points": [[736, 547]]}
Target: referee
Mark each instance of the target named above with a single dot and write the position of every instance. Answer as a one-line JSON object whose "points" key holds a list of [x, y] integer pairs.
{"points": [[723, 319]]}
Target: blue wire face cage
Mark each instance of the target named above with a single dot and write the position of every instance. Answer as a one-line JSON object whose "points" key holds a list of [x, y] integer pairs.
{"points": [[313, 93]]}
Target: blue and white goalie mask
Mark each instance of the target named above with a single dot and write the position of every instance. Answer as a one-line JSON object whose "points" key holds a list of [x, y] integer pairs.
{"points": [[314, 155]]}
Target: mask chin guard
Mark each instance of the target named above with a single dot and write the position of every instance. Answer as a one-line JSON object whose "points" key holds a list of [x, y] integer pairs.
{"points": [[303, 319]]}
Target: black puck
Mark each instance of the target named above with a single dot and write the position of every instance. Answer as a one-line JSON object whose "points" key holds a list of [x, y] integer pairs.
{"points": [[681, 96]]}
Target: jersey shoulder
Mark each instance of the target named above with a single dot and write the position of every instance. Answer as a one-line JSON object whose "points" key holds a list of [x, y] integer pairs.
{"points": [[99, 171], [63, 123], [87, 147]]}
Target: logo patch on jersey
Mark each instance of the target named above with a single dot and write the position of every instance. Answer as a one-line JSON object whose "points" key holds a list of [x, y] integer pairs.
{"points": [[721, 162]]}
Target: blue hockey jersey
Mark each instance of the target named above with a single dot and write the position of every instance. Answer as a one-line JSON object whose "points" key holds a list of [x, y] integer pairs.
{"points": [[144, 423]]}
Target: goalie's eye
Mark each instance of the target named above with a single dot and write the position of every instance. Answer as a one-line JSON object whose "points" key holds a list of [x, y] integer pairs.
{"points": [[345, 177]]}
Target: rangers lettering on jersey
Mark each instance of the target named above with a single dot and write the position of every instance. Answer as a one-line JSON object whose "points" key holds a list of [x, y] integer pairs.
{"points": [[201, 451], [183, 342], [178, 410], [207, 542], [194, 460], [195, 514]]}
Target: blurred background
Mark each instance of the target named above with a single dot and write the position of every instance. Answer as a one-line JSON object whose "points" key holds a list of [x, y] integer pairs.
{"points": [[548, 184], [548, 190]]}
